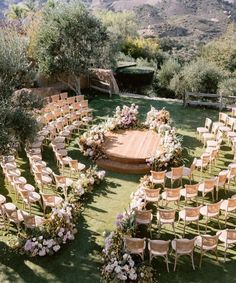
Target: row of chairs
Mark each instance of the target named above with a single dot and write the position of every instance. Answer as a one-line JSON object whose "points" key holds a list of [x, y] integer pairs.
{"points": [[187, 214], [181, 247]]}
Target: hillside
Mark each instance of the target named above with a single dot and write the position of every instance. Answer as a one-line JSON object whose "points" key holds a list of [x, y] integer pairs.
{"points": [[191, 20]]}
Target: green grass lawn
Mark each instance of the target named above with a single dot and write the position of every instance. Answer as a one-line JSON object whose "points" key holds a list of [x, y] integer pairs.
{"points": [[80, 261]]}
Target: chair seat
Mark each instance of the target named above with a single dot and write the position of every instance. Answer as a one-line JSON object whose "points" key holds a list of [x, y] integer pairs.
{"points": [[202, 130], [157, 181], [183, 193], [46, 179], [9, 206], [156, 253], [224, 129], [205, 190], [152, 199], [223, 237], [182, 214], [33, 197], [52, 202], [29, 188], [165, 221], [224, 206], [186, 172], [198, 243], [173, 245], [164, 196], [169, 176], [211, 143], [143, 221], [203, 211], [81, 166]]}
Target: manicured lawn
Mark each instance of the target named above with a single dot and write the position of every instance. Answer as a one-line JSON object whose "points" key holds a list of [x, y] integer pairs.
{"points": [[80, 261]]}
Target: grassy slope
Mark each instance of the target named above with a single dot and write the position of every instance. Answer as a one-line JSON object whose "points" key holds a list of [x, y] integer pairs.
{"points": [[80, 261]]}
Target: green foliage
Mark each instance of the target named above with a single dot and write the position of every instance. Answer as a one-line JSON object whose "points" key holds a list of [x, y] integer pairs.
{"points": [[222, 51], [15, 69], [201, 76], [120, 25], [140, 47], [69, 42], [228, 87], [170, 68]]}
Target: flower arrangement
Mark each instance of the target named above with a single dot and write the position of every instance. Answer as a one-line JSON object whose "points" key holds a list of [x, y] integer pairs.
{"points": [[155, 118], [125, 222], [170, 153], [58, 229], [90, 142], [88, 179], [119, 266], [126, 117]]}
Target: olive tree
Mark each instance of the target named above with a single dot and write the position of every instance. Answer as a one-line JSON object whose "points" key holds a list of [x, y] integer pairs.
{"points": [[69, 42], [15, 68]]}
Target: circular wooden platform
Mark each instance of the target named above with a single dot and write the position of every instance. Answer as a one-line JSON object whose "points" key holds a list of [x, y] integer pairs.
{"points": [[127, 150]]}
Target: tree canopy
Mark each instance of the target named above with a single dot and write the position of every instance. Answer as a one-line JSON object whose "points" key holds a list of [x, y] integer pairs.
{"points": [[69, 42]]}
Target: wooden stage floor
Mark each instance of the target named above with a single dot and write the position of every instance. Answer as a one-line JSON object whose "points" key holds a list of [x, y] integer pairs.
{"points": [[127, 150]]}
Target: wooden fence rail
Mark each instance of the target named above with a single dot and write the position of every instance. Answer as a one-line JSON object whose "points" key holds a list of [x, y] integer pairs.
{"points": [[209, 100]]}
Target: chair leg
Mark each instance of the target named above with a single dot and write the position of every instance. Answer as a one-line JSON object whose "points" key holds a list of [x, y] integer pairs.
{"points": [[167, 263], [176, 257], [200, 262], [192, 261]]}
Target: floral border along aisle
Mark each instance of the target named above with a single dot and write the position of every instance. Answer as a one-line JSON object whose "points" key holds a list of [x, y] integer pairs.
{"points": [[127, 118], [59, 226]]}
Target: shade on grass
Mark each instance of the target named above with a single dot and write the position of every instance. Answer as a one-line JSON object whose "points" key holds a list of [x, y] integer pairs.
{"points": [[80, 261]]}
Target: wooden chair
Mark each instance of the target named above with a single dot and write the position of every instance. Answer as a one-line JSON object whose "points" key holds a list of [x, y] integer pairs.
{"points": [[205, 129], [32, 221], [159, 248], [188, 172], [210, 211], [158, 178], [228, 237], [29, 198], [166, 216], [231, 176], [189, 215], [190, 192], [228, 206], [152, 195], [135, 246], [144, 217], [183, 247], [206, 187], [221, 181], [75, 166], [50, 200], [203, 162], [211, 135], [207, 243], [176, 174], [171, 195]]}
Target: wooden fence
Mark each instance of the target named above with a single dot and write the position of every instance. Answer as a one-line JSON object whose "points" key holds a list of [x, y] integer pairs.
{"points": [[209, 100]]}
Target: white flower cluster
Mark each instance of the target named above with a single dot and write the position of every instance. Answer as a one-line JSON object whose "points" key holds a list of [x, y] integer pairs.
{"points": [[87, 180], [126, 116], [137, 199], [41, 246], [122, 269], [170, 148], [65, 231], [156, 118]]}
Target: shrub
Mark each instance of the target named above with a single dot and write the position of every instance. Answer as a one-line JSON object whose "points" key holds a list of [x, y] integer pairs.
{"points": [[167, 72], [140, 47], [228, 87], [201, 76]]}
